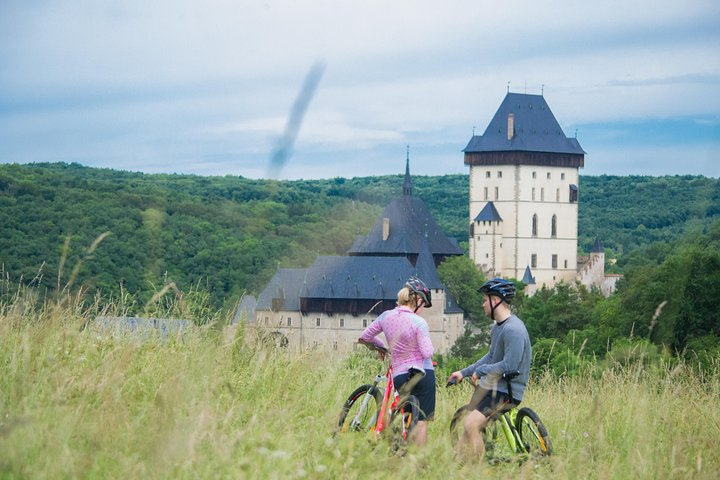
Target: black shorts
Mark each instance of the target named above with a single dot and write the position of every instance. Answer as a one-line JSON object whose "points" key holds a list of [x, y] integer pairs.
{"points": [[424, 391], [495, 402]]}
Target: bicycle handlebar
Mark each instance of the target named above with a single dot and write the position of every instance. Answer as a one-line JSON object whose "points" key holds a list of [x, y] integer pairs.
{"points": [[372, 346], [507, 376]]}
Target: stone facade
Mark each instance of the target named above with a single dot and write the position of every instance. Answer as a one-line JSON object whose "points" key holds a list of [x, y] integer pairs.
{"points": [[340, 331]]}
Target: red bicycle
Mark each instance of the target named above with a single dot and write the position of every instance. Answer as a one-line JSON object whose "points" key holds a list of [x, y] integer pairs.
{"points": [[370, 408]]}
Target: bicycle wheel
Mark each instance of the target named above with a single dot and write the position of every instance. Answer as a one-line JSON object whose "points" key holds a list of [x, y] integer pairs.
{"points": [[404, 417], [456, 424], [532, 432], [352, 419], [494, 450]]}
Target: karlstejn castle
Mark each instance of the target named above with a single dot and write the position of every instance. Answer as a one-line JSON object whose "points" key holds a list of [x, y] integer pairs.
{"points": [[524, 193]]}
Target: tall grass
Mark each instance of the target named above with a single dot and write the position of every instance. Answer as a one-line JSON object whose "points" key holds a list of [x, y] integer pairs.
{"points": [[78, 403]]}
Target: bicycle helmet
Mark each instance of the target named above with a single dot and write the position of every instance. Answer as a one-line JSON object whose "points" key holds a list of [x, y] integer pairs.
{"points": [[500, 288], [418, 287]]}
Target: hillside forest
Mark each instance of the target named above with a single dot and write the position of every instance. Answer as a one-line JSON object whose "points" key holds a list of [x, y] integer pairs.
{"points": [[120, 236]]}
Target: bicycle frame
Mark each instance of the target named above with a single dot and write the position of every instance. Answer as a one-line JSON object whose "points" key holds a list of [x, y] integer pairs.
{"points": [[379, 422], [507, 423], [506, 420]]}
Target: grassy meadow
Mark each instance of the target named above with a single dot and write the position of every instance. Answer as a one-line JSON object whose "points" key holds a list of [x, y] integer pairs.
{"points": [[79, 403]]}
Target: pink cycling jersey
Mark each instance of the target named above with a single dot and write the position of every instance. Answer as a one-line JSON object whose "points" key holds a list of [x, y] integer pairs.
{"points": [[408, 336]]}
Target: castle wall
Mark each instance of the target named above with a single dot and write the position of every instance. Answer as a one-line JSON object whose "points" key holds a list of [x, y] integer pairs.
{"points": [[340, 332], [520, 192]]}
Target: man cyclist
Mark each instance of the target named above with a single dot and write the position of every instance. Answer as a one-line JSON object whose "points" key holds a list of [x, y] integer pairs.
{"points": [[408, 337], [509, 351]]}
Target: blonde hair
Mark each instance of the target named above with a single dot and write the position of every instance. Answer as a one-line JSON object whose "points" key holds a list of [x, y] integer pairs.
{"points": [[406, 297]]}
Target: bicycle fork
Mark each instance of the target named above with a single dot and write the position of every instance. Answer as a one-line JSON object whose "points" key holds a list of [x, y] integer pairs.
{"points": [[356, 423]]}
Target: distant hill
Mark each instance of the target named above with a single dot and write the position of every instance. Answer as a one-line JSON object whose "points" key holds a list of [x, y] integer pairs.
{"points": [[229, 234]]}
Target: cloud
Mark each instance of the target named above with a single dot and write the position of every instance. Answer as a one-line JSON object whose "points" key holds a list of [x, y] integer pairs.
{"points": [[207, 87]]}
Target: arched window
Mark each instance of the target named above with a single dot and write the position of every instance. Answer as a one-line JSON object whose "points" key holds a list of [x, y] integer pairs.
{"points": [[553, 227], [534, 225]]}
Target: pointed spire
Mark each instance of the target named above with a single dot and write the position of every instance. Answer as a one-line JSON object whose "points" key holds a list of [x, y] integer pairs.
{"points": [[597, 246], [528, 279], [407, 186]]}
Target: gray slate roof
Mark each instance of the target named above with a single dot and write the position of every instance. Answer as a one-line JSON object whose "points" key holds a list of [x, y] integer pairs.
{"points": [[488, 214], [375, 269], [411, 225], [597, 246], [536, 129], [286, 283], [528, 279], [356, 277], [336, 277]]}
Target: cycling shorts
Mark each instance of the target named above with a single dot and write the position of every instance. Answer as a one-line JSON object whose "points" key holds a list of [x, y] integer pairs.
{"points": [[424, 391], [495, 402]]}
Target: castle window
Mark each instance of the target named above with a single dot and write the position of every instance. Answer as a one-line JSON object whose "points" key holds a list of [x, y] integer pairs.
{"points": [[499, 174], [565, 263], [534, 225], [364, 322], [533, 260], [497, 193], [289, 322], [534, 174], [562, 176], [548, 175], [573, 193], [542, 194], [487, 255], [342, 322], [486, 193], [553, 226], [334, 345], [487, 174], [317, 322], [557, 194], [554, 261]]}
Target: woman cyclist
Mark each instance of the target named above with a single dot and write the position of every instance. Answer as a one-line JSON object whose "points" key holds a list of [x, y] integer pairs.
{"points": [[409, 342]]}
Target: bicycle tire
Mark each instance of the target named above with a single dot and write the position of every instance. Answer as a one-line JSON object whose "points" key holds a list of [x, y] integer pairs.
{"points": [[408, 410], [456, 423], [534, 435], [353, 404]]}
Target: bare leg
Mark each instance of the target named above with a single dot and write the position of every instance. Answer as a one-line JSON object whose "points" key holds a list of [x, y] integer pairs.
{"points": [[418, 436], [471, 446]]}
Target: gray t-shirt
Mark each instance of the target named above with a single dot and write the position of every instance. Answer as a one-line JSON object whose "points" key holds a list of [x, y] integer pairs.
{"points": [[509, 350]]}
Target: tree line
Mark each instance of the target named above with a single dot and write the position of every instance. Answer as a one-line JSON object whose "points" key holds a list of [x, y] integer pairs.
{"points": [[128, 234]]}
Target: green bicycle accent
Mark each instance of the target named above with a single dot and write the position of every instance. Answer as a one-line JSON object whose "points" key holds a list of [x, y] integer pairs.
{"points": [[524, 433]]}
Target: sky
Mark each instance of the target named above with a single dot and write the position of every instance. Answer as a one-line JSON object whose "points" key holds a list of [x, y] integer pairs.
{"points": [[342, 88]]}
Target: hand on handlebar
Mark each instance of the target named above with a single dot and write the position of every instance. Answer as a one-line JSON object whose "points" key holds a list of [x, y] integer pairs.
{"points": [[457, 377], [454, 379], [382, 351]]}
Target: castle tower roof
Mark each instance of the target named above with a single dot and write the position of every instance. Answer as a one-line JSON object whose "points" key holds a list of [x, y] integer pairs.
{"points": [[524, 123], [597, 246], [404, 227], [528, 279], [488, 214]]}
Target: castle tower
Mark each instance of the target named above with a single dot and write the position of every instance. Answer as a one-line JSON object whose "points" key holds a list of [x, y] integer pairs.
{"points": [[524, 172]]}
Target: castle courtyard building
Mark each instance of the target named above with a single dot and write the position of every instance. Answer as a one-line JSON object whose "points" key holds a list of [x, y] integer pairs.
{"points": [[327, 305]]}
